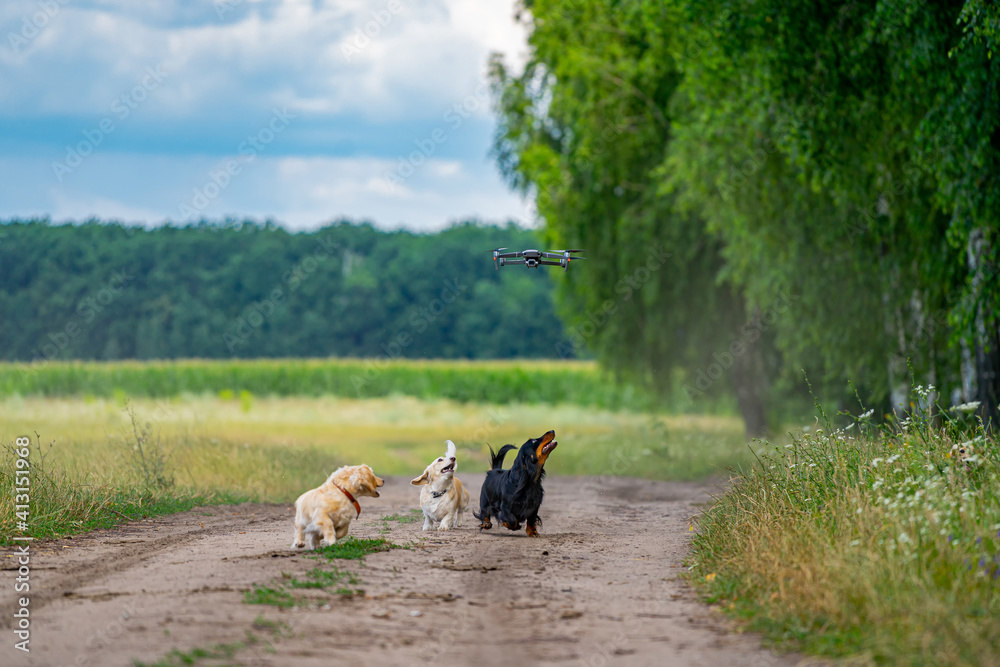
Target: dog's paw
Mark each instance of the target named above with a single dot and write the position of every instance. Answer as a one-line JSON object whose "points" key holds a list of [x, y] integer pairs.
{"points": [[512, 526], [486, 525], [532, 531], [298, 545]]}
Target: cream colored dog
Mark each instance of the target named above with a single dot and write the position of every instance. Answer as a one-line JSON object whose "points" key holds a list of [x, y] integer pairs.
{"points": [[327, 511], [443, 497]]}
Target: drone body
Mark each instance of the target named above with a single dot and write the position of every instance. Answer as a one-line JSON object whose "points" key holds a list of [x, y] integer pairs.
{"points": [[534, 258]]}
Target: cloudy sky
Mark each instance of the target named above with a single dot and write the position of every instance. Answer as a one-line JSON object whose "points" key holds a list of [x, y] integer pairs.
{"points": [[298, 110]]}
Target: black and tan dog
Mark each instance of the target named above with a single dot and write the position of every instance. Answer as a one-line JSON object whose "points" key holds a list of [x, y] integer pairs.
{"points": [[515, 495]]}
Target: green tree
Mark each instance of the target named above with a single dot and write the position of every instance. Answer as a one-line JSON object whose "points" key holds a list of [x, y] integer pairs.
{"points": [[858, 154], [843, 154], [583, 129]]}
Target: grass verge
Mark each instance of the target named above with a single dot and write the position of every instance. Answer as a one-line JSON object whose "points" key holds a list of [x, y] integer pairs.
{"points": [[877, 542], [60, 503]]}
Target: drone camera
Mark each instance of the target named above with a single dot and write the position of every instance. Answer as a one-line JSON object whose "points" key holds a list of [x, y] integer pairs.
{"points": [[533, 258]]}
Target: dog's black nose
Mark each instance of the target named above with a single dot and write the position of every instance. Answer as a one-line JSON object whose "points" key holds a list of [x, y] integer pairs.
{"points": [[452, 458]]}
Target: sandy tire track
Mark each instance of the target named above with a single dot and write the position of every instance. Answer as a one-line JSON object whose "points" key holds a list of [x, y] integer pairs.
{"points": [[600, 586]]}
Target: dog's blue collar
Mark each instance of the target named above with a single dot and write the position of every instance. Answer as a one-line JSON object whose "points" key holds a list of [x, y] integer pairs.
{"points": [[438, 494]]}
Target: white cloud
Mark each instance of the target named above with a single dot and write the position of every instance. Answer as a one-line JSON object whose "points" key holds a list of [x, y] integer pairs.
{"points": [[426, 55], [313, 190], [356, 120]]}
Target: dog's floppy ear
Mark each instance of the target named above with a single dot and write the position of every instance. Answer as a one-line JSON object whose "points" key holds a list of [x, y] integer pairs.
{"points": [[419, 481], [451, 449]]}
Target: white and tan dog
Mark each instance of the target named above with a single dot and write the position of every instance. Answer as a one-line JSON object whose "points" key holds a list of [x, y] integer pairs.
{"points": [[443, 498], [327, 511]]}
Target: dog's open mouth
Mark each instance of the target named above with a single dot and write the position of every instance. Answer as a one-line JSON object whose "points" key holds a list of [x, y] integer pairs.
{"points": [[545, 446], [448, 468]]}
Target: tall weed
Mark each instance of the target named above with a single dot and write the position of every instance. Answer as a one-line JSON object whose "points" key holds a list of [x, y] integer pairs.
{"points": [[876, 540]]}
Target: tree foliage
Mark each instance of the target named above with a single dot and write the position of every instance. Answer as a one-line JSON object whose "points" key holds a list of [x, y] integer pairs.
{"points": [[844, 154], [584, 128]]}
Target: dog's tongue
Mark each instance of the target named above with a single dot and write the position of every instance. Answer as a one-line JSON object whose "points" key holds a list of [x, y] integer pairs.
{"points": [[549, 447]]}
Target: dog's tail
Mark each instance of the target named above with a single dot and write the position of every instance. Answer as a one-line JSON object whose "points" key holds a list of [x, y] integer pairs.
{"points": [[496, 458]]}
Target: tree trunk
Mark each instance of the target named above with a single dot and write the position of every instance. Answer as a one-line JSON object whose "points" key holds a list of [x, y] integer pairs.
{"points": [[749, 380], [986, 339], [988, 378]]}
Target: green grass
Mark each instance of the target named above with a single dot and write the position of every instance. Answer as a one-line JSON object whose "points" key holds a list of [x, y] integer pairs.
{"points": [[317, 578], [354, 548], [414, 516], [322, 577], [215, 652], [223, 652], [64, 504], [499, 382], [275, 597], [274, 627], [879, 543]]}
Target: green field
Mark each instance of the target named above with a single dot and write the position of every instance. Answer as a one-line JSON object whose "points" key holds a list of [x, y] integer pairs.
{"points": [[521, 381], [202, 432]]}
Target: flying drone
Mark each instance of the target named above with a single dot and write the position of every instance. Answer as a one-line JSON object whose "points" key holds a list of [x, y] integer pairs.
{"points": [[534, 258]]}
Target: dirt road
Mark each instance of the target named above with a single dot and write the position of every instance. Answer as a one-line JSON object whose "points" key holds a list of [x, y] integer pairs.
{"points": [[600, 586]]}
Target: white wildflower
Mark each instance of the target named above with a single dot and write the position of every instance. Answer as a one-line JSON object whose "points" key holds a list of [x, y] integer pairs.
{"points": [[966, 408]]}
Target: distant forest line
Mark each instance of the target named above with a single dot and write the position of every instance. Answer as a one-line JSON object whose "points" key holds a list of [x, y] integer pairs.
{"points": [[108, 291]]}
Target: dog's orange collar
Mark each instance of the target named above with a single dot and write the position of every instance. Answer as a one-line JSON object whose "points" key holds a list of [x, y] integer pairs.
{"points": [[357, 505]]}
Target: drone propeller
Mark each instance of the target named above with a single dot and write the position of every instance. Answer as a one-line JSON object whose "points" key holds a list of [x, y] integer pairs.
{"points": [[574, 250], [496, 255]]}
